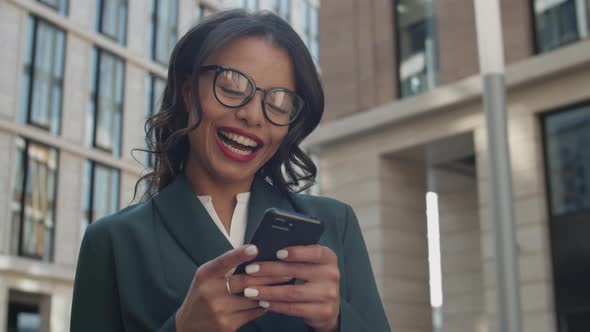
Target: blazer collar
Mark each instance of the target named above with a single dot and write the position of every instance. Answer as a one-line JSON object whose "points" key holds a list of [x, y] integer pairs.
{"points": [[188, 221]]}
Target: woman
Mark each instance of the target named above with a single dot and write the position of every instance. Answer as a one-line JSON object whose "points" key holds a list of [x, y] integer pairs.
{"points": [[242, 93]]}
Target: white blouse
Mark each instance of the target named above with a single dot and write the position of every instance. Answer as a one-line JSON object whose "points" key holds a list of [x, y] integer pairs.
{"points": [[237, 228]]}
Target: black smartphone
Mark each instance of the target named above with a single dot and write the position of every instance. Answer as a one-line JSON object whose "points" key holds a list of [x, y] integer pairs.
{"points": [[280, 229]]}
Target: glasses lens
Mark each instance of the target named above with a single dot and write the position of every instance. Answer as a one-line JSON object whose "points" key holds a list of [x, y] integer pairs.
{"points": [[232, 88], [282, 106]]}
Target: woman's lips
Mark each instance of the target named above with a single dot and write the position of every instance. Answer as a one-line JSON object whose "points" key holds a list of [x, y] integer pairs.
{"points": [[237, 154]]}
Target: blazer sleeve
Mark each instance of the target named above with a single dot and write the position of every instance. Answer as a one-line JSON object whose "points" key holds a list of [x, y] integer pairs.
{"points": [[96, 303], [360, 306]]}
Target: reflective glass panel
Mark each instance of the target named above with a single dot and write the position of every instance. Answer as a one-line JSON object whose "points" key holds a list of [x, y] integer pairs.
{"points": [[417, 46], [35, 189], [41, 99], [567, 137]]}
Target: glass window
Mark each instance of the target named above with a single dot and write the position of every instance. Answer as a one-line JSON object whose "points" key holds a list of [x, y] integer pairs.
{"points": [[41, 98], [112, 19], [155, 92], [33, 200], [106, 102], [163, 26], [101, 193], [417, 46], [311, 31], [60, 5], [283, 9], [250, 5], [23, 317], [567, 137], [202, 11], [560, 22]]}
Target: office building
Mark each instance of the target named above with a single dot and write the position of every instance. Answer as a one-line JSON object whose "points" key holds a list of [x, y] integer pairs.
{"points": [[404, 117], [79, 80]]}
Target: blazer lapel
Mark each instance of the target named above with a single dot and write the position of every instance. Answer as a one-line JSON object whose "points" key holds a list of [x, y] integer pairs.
{"points": [[189, 222]]}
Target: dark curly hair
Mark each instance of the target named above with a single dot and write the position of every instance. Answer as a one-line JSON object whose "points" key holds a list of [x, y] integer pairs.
{"points": [[290, 169]]}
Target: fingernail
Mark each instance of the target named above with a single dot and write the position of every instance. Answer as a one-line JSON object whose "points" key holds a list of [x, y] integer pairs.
{"points": [[251, 250], [264, 304], [282, 254], [252, 268], [250, 292]]}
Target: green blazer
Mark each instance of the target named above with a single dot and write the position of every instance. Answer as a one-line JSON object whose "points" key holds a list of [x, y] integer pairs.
{"points": [[135, 266]]}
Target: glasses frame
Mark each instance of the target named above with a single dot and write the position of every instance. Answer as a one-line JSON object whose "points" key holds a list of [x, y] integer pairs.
{"points": [[218, 69]]}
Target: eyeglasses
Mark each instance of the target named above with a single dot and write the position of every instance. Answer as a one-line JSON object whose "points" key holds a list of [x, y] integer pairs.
{"points": [[234, 89]]}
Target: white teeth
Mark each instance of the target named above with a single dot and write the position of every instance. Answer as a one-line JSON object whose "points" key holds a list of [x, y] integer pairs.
{"points": [[236, 151], [239, 139]]}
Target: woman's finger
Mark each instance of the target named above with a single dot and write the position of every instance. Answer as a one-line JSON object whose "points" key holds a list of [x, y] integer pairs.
{"points": [[237, 283], [307, 272], [308, 292], [231, 304], [312, 254], [220, 266]]}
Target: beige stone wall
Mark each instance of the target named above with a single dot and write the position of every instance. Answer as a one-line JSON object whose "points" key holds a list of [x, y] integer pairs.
{"points": [[54, 304], [462, 271], [348, 166]]}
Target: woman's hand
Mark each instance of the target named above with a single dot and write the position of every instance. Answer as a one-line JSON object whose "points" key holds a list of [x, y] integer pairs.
{"points": [[209, 306], [316, 300]]}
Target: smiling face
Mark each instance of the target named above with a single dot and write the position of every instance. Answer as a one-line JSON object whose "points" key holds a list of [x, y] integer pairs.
{"points": [[231, 144]]}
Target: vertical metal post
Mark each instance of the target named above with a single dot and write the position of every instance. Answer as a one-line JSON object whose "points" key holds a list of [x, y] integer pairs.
{"points": [[491, 58]]}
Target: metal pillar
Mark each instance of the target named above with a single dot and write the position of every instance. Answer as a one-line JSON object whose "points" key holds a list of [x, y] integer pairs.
{"points": [[491, 57]]}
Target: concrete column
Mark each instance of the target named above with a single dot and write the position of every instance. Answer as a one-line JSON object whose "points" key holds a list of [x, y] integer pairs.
{"points": [[138, 27], [536, 278], [45, 312], [69, 209], [76, 88], [12, 34], [127, 187], [462, 275], [60, 309], [134, 114], [7, 153], [186, 16], [83, 14], [403, 245], [3, 306]]}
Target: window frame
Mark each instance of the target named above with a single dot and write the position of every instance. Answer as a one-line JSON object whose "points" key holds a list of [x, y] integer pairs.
{"points": [[154, 29], [151, 110], [100, 20], [30, 72], [91, 188], [398, 54], [116, 151], [534, 32], [64, 11], [552, 216], [23, 186]]}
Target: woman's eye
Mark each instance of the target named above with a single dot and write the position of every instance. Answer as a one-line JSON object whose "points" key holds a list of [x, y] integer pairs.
{"points": [[277, 109], [231, 92]]}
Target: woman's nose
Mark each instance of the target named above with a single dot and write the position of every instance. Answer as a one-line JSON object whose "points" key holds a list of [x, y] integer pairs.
{"points": [[252, 113]]}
